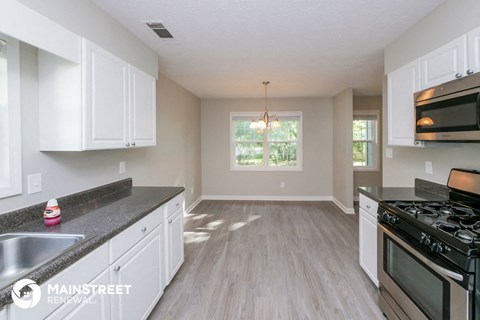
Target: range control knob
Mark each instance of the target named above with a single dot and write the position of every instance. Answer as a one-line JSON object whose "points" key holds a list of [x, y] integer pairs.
{"points": [[385, 216], [425, 240], [438, 247], [393, 220]]}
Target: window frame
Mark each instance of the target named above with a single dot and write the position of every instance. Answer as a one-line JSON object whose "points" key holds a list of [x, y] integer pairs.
{"points": [[375, 143], [14, 118], [266, 166]]}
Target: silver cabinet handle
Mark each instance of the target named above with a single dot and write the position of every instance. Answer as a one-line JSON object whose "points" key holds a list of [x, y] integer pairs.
{"points": [[177, 204], [368, 206], [117, 268], [144, 229], [170, 221], [128, 144], [469, 71], [133, 144], [458, 75]]}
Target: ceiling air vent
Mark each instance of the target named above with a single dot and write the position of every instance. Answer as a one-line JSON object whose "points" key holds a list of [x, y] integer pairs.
{"points": [[160, 30]]}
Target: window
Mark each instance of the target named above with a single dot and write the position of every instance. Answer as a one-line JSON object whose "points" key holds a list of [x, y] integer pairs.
{"points": [[10, 148], [365, 145], [266, 150]]}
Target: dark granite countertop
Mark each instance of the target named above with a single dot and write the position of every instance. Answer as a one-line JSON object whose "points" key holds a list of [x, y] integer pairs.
{"points": [[98, 218], [401, 194], [423, 191]]}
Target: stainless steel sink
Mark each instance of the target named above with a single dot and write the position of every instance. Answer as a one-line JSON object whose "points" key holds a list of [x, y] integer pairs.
{"points": [[21, 253]]}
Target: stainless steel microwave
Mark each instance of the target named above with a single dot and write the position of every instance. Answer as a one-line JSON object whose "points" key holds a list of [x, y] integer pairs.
{"points": [[449, 112]]}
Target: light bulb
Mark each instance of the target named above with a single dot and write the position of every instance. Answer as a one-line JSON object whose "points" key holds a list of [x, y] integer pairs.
{"points": [[276, 124], [425, 122], [253, 125], [261, 124]]}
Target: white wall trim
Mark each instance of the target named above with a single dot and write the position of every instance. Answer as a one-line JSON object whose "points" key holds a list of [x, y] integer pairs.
{"points": [[194, 204], [342, 207], [268, 198]]}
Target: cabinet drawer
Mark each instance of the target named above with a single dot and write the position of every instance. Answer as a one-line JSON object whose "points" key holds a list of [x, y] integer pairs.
{"points": [[369, 205], [175, 204], [128, 238]]}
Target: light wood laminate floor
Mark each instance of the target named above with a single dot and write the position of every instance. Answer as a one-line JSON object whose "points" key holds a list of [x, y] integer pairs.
{"points": [[269, 260]]}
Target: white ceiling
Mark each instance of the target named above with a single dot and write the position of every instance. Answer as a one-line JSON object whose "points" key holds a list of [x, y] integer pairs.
{"points": [[305, 48]]}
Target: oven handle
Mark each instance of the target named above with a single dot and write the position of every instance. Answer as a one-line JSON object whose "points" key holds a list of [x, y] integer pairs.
{"points": [[419, 256]]}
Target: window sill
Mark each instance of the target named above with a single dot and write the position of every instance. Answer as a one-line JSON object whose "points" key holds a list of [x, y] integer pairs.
{"points": [[367, 169], [269, 169]]}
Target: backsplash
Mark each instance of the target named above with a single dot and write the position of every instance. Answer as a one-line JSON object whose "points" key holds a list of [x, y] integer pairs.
{"points": [[18, 217]]}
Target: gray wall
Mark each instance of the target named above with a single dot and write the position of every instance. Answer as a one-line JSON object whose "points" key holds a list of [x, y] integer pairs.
{"points": [[342, 148], [369, 178], [87, 20], [314, 180], [450, 20], [176, 160]]}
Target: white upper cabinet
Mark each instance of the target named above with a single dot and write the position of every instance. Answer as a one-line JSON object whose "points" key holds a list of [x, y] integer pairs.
{"points": [[142, 108], [105, 84], [445, 63], [103, 103], [402, 84], [473, 38], [456, 59]]}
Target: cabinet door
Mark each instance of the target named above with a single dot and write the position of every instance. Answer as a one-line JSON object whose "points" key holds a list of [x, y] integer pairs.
{"points": [[142, 108], [473, 38], [175, 249], [444, 63], [140, 268], [94, 306], [105, 85], [402, 84], [368, 244]]}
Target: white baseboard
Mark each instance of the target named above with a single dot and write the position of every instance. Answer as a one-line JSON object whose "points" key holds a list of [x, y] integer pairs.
{"points": [[194, 204], [342, 207], [273, 198], [268, 198]]}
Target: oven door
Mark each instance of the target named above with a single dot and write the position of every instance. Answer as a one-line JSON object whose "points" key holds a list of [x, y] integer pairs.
{"points": [[421, 285]]}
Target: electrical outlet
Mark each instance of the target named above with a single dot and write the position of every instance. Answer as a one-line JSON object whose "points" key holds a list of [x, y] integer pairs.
{"points": [[34, 183], [122, 167], [428, 167], [282, 184]]}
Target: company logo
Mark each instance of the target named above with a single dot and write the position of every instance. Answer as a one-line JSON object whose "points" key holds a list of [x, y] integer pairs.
{"points": [[26, 293]]}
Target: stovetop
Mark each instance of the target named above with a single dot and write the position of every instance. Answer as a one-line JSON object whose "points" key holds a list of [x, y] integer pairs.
{"points": [[456, 220]]}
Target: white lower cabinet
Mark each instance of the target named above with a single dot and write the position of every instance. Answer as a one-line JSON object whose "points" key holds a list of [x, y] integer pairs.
{"points": [[93, 306], [173, 238], [82, 272], [368, 237], [175, 254], [142, 259], [139, 268]]}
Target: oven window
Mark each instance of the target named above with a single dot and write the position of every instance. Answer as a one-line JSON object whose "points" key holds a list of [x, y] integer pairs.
{"points": [[421, 284]]}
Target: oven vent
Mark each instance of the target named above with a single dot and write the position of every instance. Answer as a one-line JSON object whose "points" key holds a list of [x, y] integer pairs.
{"points": [[160, 30]]}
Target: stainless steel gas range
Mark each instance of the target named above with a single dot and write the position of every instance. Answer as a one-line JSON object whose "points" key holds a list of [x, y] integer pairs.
{"points": [[428, 254]]}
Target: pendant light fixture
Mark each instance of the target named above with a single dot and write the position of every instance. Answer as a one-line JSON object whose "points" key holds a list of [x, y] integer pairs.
{"points": [[265, 120]]}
